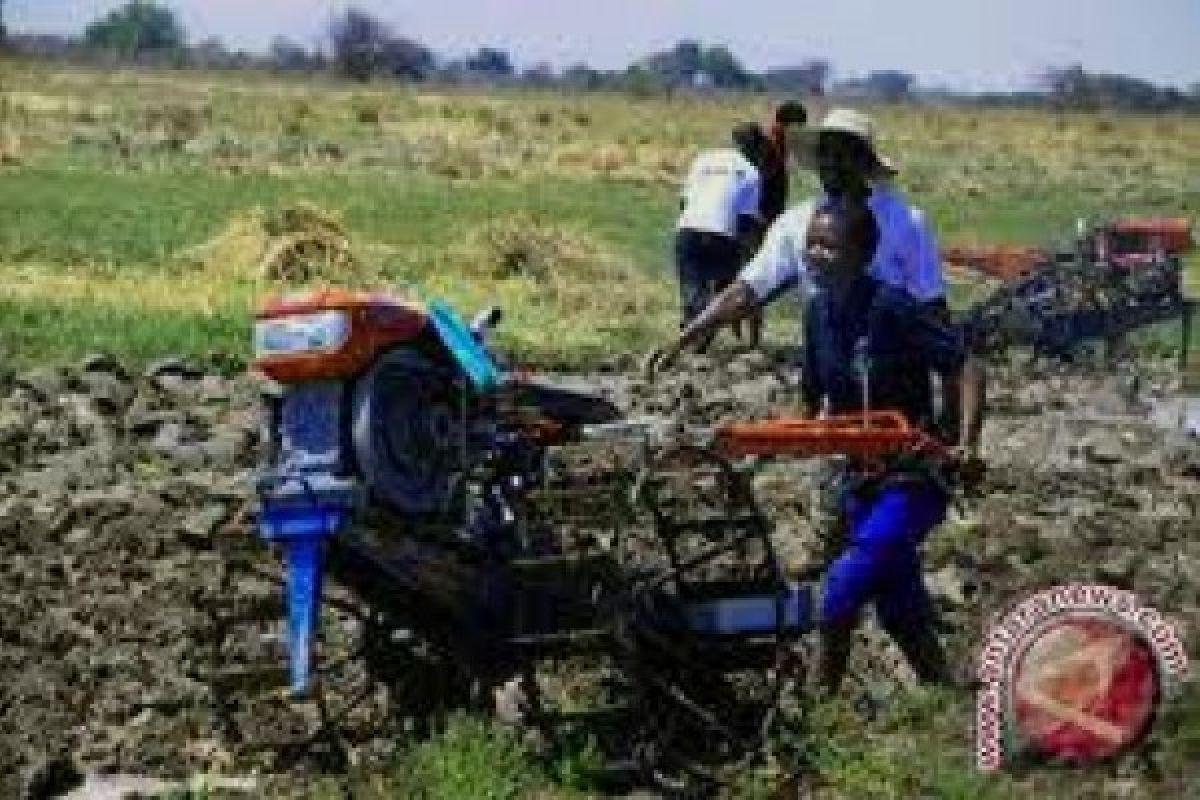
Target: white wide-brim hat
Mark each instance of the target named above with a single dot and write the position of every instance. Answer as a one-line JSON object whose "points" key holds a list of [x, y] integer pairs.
{"points": [[850, 122]]}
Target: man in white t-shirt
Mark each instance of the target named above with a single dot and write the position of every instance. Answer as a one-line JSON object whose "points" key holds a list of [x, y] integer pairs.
{"points": [[719, 213], [846, 161]]}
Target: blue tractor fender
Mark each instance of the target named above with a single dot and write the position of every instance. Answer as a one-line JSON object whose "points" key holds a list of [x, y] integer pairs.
{"points": [[470, 355]]}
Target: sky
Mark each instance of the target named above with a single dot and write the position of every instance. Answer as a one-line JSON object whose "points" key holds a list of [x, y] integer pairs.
{"points": [[964, 44]]}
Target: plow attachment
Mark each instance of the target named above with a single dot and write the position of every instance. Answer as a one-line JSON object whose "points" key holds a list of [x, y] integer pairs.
{"points": [[1062, 304], [300, 519]]}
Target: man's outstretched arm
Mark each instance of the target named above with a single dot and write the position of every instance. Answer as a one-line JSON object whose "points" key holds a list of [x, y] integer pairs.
{"points": [[776, 266], [734, 303]]}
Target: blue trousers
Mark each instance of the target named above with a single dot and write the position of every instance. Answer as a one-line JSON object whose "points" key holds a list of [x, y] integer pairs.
{"points": [[882, 563]]}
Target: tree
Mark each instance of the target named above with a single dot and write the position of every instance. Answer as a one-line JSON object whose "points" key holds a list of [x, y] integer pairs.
{"points": [[809, 77], [725, 70], [364, 45], [490, 61], [678, 66], [135, 29], [581, 76], [287, 55], [1066, 85], [211, 53], [358, 40], [689, 63], [889, 85], [540, 75], [640, 81], [3, 30], [1074, 87], [407, 59]]}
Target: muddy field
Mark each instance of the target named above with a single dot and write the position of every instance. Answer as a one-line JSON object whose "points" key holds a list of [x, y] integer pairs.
{"points": [[128, 559]]}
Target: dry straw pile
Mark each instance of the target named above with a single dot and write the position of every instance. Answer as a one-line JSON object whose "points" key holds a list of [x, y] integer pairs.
{"points": [[294, 245], [10, 149], [556, 266]]}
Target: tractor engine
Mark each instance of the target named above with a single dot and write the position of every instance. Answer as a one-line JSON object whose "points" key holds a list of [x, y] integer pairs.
{"points": [[379, 405], [368, 397]]}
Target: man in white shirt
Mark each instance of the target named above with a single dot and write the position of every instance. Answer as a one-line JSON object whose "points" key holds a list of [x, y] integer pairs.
{"points": [[846, 161], [719, 212]]}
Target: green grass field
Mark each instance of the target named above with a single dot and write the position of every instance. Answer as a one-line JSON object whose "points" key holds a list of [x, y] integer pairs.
{"points": [[110, 179]]}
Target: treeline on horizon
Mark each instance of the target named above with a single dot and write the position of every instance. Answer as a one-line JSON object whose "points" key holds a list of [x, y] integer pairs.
{"points": [[359, 46]]}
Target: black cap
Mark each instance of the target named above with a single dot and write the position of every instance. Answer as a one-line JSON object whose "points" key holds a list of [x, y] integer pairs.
{"points": [[791, 113], [750, 140]]}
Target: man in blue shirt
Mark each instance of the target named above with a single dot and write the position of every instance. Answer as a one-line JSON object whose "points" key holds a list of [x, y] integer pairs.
{"points": [[867, 340]]}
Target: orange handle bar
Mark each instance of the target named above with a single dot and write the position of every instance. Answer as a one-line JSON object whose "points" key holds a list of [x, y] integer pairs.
{"points": [[870, 435]]}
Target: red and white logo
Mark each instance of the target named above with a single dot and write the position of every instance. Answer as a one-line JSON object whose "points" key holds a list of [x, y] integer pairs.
{"points": [[1075, 675]]}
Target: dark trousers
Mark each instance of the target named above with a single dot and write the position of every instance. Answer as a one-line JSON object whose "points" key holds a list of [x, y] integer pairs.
{"points": [[706, 263]]}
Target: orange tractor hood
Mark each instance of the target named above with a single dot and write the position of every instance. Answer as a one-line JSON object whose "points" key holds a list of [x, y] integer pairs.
{"points": [[376, 321]]}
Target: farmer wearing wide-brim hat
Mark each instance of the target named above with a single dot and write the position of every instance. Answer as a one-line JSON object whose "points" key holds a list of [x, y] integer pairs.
{"points": [[843, 151]]}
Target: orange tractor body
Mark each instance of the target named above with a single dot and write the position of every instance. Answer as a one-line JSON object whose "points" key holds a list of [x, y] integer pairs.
{"points": [[871, 435], [1126, 242], [1139, 240], [354, 328], [1005, 262]]}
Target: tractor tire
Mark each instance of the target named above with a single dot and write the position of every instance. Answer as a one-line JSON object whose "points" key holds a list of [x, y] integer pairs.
{"points": [[407, 431]]}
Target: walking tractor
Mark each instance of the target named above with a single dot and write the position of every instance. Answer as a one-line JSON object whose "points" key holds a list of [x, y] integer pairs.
{"points": [[510, 526]]}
